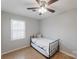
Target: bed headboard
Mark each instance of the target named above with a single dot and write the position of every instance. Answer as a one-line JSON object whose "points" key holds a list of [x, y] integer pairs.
{"points": [[36, 36]]}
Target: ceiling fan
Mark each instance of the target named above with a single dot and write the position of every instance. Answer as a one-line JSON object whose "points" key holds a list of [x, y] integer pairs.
{"points": [[43, 6]]}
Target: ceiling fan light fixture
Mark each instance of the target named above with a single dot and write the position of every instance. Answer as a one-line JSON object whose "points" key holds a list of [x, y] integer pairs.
{"points": [[42, 10], [43, 6]]}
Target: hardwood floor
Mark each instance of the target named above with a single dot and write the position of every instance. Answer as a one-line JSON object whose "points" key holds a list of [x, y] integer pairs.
{"points": [[30, 53]]}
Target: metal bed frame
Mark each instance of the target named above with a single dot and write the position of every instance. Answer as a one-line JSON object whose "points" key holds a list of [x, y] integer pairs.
{"points": [[49, 48]]}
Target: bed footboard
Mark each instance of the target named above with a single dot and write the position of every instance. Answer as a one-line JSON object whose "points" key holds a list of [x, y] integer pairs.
{"points": [[53, 48]]}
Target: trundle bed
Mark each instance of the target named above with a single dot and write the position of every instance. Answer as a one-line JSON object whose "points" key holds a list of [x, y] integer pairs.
{"points": [[46, 47]]}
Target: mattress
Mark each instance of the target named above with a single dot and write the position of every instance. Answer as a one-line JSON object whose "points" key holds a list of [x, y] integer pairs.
{"points": [[42, 41]]}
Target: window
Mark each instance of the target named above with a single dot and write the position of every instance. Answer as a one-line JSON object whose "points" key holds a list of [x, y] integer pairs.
{"points": [[17, 29]]}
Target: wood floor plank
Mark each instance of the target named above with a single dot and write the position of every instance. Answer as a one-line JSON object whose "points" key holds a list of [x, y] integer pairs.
{"points": [[30, 53]]}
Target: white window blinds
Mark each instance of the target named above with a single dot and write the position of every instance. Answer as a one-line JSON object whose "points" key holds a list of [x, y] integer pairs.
{"points": [[17, 29]]}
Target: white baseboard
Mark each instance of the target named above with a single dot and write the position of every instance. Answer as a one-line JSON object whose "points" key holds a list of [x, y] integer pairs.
{"points": [[13, 50], [68, 54]]}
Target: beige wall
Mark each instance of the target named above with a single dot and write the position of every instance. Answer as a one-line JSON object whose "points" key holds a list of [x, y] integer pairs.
{"points": [[64, 27], [32, 27]]}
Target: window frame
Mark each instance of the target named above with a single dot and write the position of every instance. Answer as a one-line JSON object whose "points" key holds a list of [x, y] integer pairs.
{"points": [[18, 38]]}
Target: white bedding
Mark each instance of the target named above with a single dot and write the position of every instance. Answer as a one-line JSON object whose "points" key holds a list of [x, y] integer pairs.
{"points": [[43, 42]]}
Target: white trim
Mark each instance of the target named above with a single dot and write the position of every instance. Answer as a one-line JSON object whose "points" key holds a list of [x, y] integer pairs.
{"points": [[68, 54], [13, 50]]}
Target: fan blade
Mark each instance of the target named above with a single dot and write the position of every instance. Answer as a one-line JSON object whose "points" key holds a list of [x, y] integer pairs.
{"points": [[33, 8], [51, 10], [51, 1], [40, 13], [38, 1]]}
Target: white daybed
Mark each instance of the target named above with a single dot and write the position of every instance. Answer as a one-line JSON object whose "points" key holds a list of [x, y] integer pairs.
{"points": [[46, 47]]}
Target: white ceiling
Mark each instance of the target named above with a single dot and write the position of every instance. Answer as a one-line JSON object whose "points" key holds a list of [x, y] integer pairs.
{"points": [[19, 7]]}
